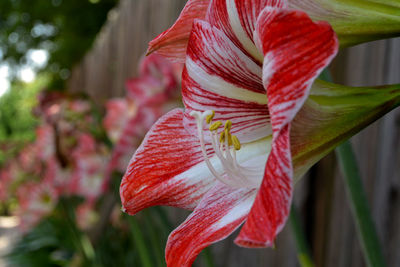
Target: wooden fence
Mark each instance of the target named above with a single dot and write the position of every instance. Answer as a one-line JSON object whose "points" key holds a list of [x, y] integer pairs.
{"points": [[120, 45], [320, 195]]}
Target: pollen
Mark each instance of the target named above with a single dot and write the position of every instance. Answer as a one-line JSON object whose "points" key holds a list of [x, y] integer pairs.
{"points": [[210, 117], [215, 126], [222, 137], [236, 142], [228, 125]]}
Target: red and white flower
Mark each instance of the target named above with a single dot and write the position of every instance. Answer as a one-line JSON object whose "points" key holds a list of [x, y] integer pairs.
{"points": [[354, 22], [36, 200], [250, 65], [119, 111], [246, 131], [45, 141], [90, 161], [86, 215]]}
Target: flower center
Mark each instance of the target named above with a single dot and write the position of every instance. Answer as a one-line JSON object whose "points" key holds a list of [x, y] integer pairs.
{"points": [[225, 146]]}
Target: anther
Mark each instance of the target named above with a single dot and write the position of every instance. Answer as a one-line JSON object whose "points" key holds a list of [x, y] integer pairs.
{"points": [[236, 142], [210, 117], [228, 125], [228, 136], [215, 126], [222, 137]]}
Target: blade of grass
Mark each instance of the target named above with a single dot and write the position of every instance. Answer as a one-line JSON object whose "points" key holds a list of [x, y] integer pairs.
{"points": [[138, 239], [81, 241], [359, 205], [87, 248], [303, 251], [156, 238]]}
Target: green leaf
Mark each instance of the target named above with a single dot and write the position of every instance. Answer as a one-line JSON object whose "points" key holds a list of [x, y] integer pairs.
{"points": [[359, 205], [355, 21], [332, 114], [139, 241], [303, 251]]}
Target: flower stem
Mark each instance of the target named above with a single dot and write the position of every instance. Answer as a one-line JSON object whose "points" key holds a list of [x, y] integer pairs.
{"points": [[359, 205], [303, 252]]}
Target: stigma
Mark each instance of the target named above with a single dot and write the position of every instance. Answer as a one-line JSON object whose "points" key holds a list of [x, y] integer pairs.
{"points": [[225, 146]]}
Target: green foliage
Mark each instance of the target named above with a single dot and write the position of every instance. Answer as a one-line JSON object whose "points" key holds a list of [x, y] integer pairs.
{"points": [[361, 212], [56, 241], [51, 243], [17, 122], [65, 28]]}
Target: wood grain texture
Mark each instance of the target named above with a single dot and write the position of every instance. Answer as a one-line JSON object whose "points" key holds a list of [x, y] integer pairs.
{"points": [[119, 46], [377, 149], [320, 196]]}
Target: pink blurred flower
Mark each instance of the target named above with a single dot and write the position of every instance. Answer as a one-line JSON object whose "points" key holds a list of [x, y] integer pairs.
{"points": [[86, 215], [6, 178], [90, 161], [45, 141], [36, 200], [118, 113]]}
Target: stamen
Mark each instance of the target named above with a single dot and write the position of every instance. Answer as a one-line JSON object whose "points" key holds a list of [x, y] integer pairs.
{"points": [[222, 137], [235, 175], [215, 126], [199, 119], [236, 142], [228, 125], [228, 136], [210, 117]]}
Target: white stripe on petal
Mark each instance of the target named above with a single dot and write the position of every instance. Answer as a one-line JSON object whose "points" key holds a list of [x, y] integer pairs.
{"points": [[240, 210], [217, 85], [239, 31]]}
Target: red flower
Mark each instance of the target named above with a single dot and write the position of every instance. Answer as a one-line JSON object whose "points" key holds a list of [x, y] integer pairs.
{"points": [[251, 122]]}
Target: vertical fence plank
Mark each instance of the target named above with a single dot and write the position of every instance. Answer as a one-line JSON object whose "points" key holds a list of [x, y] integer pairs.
{"points": [[377, 150], [119, 46]]}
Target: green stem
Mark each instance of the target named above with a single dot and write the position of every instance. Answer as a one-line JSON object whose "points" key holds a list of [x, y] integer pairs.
{"points": [[81, 241], [208, 257], [138, 239], [359, 205], [87, 248], [303, 251]]}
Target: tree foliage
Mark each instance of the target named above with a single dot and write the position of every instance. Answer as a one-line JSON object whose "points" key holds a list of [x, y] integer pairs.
{"points": [[65, 28], [17, 123]]}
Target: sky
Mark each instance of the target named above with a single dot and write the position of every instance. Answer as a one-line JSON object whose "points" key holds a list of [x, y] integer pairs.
{"points": [[37, 58]]}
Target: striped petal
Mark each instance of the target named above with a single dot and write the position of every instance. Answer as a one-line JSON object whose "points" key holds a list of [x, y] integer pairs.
{"points": [[271, 207], [172, 43], [296, 50], [221, 211], [167, 169], [237, 19], [220, 77]]}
